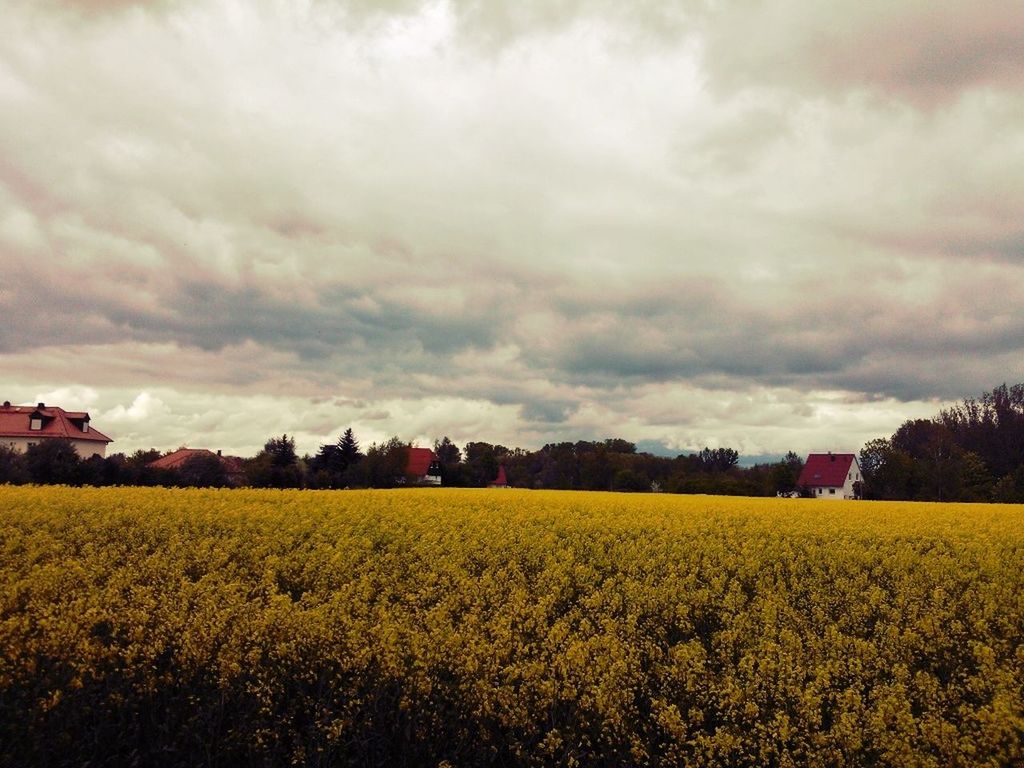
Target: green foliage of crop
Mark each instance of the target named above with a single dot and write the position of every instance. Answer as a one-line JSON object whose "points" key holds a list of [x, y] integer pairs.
{"points": [[475, 627]]}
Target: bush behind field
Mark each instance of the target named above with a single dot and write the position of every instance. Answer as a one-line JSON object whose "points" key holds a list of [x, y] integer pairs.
{"points": [[500, 627]]}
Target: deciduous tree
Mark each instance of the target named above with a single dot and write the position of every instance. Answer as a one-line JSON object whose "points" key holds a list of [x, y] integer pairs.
{"points": [[53, 461]]}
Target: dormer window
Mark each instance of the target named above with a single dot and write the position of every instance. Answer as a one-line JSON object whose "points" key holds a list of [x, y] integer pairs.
{"points": [[35, 423]]}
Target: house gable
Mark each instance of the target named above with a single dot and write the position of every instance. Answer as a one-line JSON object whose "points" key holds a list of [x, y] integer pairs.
{"points": [[832, 475]]}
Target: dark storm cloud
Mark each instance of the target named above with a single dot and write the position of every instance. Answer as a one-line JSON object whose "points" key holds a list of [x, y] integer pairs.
{"points": [[86, 309], [1008, 246], [546, 411], [863, 345], [935, 50]]}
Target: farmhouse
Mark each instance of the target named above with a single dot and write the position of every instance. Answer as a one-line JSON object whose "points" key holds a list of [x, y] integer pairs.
{"points": [[422, 467], [832, 476], [233, 469], [22, 426]]}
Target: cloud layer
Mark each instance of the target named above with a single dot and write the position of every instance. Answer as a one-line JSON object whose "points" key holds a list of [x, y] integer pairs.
{"points": [[773, 227]]}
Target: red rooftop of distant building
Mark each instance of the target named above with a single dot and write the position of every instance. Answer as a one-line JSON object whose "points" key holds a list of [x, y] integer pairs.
{"points": [[419, 462], [175, 459], [53, 421], [828, 470]]}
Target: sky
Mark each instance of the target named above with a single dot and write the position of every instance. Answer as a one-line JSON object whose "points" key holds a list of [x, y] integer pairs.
{"points": [[771, 226]]}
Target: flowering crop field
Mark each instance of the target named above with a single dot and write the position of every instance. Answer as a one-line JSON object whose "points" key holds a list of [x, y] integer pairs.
{"points": [[486, 627]]}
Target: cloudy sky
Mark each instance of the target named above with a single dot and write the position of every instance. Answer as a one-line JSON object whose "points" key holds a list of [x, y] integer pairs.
{"points": [[774, 226]]}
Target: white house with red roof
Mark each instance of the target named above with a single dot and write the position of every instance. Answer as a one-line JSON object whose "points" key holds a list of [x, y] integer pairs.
{"points": [[422, 467], [22, 426], [832, 476]]}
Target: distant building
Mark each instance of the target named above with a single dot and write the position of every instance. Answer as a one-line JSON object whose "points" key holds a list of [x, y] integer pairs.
{"points": [[422, 467], [831, 476], [501, 481], [22, 426], [234, 471]]}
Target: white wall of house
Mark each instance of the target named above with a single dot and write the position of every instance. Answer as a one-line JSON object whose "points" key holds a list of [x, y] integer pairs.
{"points": [[840, 493], [89, 448], [825, 492], [84, 448]]}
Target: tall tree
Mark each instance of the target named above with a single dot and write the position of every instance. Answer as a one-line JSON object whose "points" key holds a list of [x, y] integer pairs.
{"points": [[1010, 488], [326, 467], [453, 471], [482, 461], [873, 457], [203, 470], [718, 459], [991, 426], [385, 464], [135, 469], [630, 480], [281, 451], [889, 473], [936, 460], [329, 468], [349, 448], [618, 445], [447, 452], [276, 466], [599, 466], [978, 484], [785, 474], [12, 466], [53, 461]]}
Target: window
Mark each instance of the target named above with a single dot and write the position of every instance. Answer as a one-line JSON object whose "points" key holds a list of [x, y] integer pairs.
{"points": [[832, 491], [35, 423], [819, 491]]}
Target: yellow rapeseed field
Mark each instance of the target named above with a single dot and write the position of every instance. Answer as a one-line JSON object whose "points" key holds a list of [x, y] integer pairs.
{"points": [[487, 627]]}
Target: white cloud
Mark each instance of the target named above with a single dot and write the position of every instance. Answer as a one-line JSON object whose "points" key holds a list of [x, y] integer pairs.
{"points": [[73, 398], [144, 409]]}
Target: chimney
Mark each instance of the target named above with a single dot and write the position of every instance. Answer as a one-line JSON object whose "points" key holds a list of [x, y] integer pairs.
{"points": [[41, 406], [831, 456], [7, 403], [218, 451]]}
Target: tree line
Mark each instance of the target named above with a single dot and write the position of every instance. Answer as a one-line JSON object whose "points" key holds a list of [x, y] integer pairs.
{"points": [[607, 465], [973, 452]]}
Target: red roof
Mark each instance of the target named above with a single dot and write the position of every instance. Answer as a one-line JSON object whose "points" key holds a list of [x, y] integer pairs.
{"points": [[16, 421], [829, 470], [176, 458], [502, 479], [419, 462]]}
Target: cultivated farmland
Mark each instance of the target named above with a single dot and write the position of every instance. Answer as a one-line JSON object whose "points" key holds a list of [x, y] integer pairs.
{"points": [[476, 627]]}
